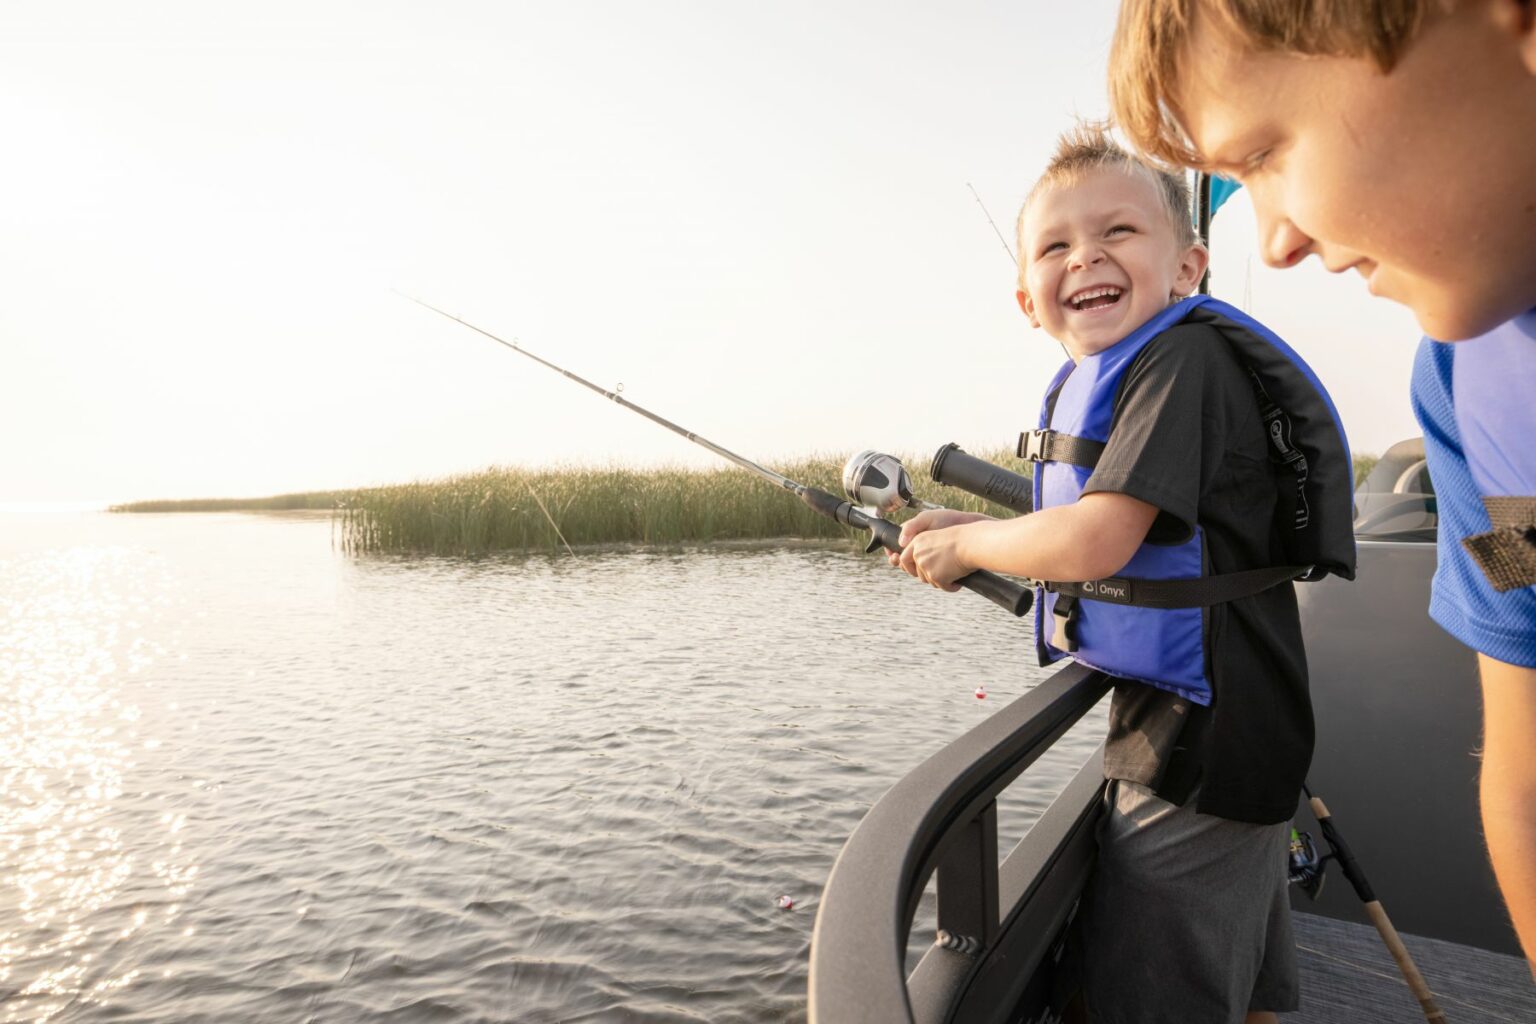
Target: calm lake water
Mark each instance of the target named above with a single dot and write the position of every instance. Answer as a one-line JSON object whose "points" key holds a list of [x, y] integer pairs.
{"points": [[246, 777]]}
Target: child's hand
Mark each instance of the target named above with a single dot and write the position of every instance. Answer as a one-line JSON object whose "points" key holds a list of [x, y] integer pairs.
{"points": [[933, 557], [933, 519], [928, 547]]}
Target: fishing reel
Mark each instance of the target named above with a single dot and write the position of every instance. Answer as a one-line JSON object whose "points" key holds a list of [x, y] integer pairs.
{"points": [[1305, 865], [879, 482]]}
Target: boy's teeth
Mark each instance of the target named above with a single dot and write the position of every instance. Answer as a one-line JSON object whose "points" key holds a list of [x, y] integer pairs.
{"points": [[1080, 300]]}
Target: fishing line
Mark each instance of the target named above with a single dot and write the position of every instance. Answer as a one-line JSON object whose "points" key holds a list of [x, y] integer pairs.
{"points": [[551, 519], [1006, 247]]}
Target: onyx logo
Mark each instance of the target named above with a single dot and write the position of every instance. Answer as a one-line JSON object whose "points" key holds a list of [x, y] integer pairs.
{"points": [[1107, 590]]}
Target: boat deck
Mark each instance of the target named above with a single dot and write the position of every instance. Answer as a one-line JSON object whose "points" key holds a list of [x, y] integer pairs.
{"points": [[1348, 977]]}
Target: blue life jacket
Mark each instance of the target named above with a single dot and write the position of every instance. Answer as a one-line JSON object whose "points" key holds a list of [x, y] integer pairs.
{"points": [[1493, 382], [1147, 622]]}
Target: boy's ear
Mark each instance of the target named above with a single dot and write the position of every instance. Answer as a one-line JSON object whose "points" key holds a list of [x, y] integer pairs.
{"points": [[1191, 268], [1027, 304]]}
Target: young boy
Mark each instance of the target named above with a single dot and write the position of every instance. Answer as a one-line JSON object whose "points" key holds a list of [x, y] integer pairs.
{"points": [[1211, 730], [1398, 138]]}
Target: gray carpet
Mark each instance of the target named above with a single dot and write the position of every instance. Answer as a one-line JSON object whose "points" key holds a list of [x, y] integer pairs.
{"points": [[1348, 977]]}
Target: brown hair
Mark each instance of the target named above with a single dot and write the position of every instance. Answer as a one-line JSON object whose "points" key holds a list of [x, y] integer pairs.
{"points": [[1089, 147], [1152, 39]]}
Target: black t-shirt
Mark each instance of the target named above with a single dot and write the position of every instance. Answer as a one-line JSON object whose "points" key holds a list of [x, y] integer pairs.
{"points": [[1187, 437]]}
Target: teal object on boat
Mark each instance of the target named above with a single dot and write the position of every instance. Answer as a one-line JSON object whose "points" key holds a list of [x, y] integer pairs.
{"points": [[1222, 189]]}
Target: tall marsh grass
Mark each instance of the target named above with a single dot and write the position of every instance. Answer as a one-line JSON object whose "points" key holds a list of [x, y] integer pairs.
{"points": [[499, 509]]}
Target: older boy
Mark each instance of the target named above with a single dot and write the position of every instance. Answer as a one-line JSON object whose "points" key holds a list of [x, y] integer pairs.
{"points": [[1398, 138], [1211, 726]]}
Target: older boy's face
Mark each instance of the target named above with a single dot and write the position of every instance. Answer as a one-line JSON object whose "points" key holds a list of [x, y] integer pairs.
{"points": [[1422, 180], [1100, 258]]}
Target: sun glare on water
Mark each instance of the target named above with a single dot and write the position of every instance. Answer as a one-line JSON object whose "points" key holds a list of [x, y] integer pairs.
{"points": [[71, 638]]}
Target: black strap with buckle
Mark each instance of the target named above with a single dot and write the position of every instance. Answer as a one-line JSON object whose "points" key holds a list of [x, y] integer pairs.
{"points": [[1050, 446], [1193, 592]]}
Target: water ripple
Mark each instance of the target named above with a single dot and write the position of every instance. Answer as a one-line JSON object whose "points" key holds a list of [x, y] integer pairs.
{"points": [[244, 777]]}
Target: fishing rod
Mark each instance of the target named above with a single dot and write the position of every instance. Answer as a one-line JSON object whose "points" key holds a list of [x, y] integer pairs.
{"points": [[1307, 869], [883, 533]]}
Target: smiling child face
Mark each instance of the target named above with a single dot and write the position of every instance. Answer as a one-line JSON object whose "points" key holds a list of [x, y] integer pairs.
{"points": [[1100, 257]]}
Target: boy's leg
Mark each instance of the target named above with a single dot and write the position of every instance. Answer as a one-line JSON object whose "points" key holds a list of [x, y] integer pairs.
{"points": [[1186, 917], [1277, 988]]}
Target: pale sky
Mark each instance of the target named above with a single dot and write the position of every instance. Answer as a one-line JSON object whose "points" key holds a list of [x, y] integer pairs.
{"points": [[755, 216]]}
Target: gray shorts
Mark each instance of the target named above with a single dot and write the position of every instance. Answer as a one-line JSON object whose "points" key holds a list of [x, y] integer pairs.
{"points": [[1186, 917]]}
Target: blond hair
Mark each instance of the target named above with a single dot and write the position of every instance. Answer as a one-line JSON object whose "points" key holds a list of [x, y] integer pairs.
{"points": [[1151, 49], [1087, 148]]}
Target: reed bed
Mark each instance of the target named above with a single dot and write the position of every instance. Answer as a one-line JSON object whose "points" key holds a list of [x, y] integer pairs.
{"points": [[520, 509], [499, 509]]}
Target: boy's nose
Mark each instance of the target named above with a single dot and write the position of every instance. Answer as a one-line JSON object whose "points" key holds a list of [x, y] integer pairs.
{"points": [[1085, 256]]}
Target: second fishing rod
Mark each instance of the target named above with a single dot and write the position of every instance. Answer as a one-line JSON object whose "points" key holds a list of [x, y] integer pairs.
{"points": [[1011, 596]]}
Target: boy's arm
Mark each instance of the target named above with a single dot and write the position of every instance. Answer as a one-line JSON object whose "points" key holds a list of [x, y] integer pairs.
{"points": [[1174, 410], [1508, 789], [1087, 540], [1485, 620]]}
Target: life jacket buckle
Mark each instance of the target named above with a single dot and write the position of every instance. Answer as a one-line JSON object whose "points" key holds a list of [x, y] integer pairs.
{"points": [[1032, 445], [1065, 613]]}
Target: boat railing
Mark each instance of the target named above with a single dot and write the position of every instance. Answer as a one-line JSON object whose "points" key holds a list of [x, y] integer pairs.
{"points": [[997, 922]]}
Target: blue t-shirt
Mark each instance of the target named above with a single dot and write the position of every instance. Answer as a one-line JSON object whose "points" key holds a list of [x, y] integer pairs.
{"points": [[1493, 379]]}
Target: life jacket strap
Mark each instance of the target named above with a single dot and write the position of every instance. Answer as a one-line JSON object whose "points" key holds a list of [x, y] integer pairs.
{"points": [[1049, 446], [1194, 592], [1282, 448], [1507, 553]]}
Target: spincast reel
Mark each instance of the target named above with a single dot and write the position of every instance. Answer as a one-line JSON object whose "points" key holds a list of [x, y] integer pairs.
{"points": [[879, 482]]}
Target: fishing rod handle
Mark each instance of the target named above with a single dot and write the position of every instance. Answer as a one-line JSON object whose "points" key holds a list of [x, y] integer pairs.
{"points": [[1006, 594], [1374, 910], [1394, 943], [952, 467], [1341, 851]]}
